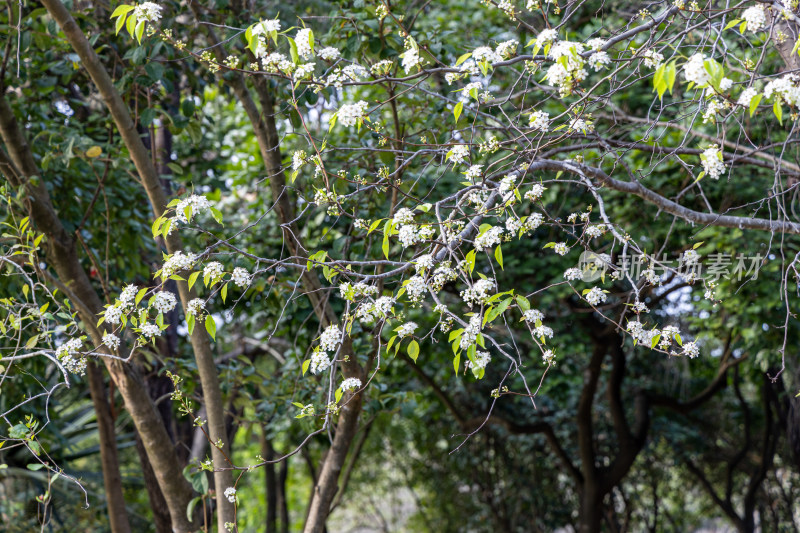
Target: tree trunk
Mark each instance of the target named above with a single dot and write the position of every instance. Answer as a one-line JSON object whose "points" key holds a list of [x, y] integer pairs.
{"points": [[158, 505], [112, 480], [63, 256], [212, 394], [590, 517], [270, 482]]}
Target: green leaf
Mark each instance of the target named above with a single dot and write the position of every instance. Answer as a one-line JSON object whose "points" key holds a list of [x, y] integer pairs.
{"points": [[35, 466], [456, 362], [776, 108], [193, 278], [224, 292], [211, 326], [191, 506], [463, 58], [32, 342], [523, 303], [471, 260], [754, 103], [306, 364], [498, 254], [338, 395], [121, 10], [732, 23], [190, 323], [457, 110], [654, 341], [120, 23], [413, 350], [217, 215]]}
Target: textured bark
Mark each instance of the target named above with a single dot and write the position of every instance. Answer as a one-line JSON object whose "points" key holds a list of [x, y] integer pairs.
{"points": [[21, 169], [158, 505], [212, 395], [109, 458]]}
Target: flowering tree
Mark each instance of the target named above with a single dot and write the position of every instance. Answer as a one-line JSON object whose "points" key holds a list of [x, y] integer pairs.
{"points": [[405, 171]]}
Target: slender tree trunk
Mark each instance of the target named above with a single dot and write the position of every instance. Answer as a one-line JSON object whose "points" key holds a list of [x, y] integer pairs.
{"points": [[282, 502], [590, 517], [270, 482], [21, 170], [158, 505], [212, 394], [112, 479]]}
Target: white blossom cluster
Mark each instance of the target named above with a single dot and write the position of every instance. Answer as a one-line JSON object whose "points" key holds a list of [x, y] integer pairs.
{"points": [[150, 330], [351, 292], [303, 41], [785, 88], [747, 96], [330, 339], [755, 17], [407, 329], [195, 307], [479, 292], [653, 59], [351, 114], [111, 340], [595, 296], [489, 238], [241, 277], [213, 271], [540, 121], [369, 312], [177, 262], [695, 70], [536, 192], [329, 53], [197, 204], [230, 494], [711, 159], [148, 11], [70, 356], [471, 332], [164, 301], [350, 384], [481, 360], [459, 153]]}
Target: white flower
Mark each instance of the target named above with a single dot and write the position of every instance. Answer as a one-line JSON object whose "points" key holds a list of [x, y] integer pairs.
{"points": [[230, 494], [330, 339], [403, 216], [596, 44], [548, 357], [481, 360], [725, 84], [195, 307], [424, 262], [177, 262], [266, 26], [540, 120], [640, 307], [690, 257], [691, 349], [650, 275], [350, 384], [241, 277], [599, 60], [407, 236], [595, 296], [350, 114], [533, 316], [329, 53], [355, 72], [128, 295], [150, 330], [653, 59], [513, 225], [473, 172], [111, 340], [711, 160], [319, 362], [484, 53], [595, 231], [479, 292], [149, 11], [535, 193], [459, 153], [695, 70], [303, 42], [416, 288], [470, 334], [583, 126], [112, 314], [488, 238], [507, 49], [561, 248], [164, 302], [213, 271], [747, 96], [572, 274], [195, 203], [543, 331], [755, 17], [303, 70], [406, 329], [784, 88], [546, 36]]}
